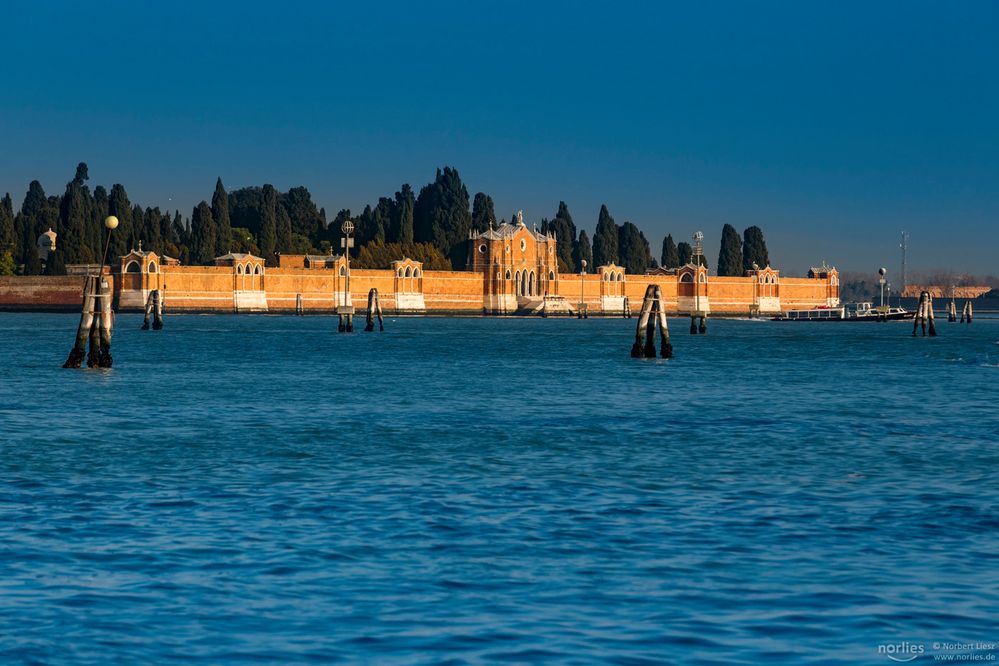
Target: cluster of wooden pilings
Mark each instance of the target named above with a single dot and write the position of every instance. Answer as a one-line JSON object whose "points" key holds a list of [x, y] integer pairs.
{"points": [[154, 311], [96, 323], [965, 313], [924, 315], [346, 315], [653, 313], [696, 328]]}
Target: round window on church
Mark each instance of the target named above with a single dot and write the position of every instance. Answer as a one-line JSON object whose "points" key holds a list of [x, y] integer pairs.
{"points": [[482, 249], [523, 245], [551, 250], [508, 249]]}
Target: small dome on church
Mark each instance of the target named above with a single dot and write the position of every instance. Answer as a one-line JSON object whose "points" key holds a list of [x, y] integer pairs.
{"points": [[47, 241]]}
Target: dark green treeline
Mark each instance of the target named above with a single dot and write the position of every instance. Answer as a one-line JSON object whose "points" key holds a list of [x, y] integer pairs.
{"points": [[433, 224]]}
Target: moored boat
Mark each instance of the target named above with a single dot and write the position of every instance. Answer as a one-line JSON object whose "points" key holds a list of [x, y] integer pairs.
{"points": [[848, 312]]}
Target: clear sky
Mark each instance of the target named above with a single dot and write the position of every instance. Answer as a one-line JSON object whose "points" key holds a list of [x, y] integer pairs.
{"points": [[832, 125]]}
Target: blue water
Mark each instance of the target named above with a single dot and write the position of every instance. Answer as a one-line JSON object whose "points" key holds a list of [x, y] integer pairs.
{"points": [[261, 489]]}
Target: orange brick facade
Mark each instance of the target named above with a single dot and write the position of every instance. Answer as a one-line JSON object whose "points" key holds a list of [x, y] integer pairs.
{"points": [[513, 270]]}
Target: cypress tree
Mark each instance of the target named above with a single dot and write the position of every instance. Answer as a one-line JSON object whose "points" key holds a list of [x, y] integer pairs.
{"points": [[306, 219], [267, 238], [383, 218], [137, 226], [483, 212], [75, 217], [220, 215], [730, 254], [98, 213], [32, 262], [754, 249], [565, 238], [204, 235], [441, 216], [56, 264], [404, 203], [670, 255], [284, 232], [583, 252], [633, 249], [152, 230], [8, 237], [684, 252], [119, 206], [605, 240], [365, 229]]}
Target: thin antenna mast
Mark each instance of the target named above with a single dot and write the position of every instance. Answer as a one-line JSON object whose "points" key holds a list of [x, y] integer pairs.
{"points": [[905, 246]]}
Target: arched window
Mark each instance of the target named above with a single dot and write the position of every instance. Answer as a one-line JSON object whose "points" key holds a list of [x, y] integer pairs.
{"points": [[686, 277], [409, 272], [256, 269], [152, 267], [508, 274], [702, 278], [530, 285], [551, 275], [416, 272], [620, 277], [132, 267], [239, 269], [402, 273], [343, 271]]}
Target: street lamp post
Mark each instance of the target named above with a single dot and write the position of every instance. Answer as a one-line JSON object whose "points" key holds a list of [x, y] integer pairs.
{"points": [[582, 271], [882, 282], [346, 311]]}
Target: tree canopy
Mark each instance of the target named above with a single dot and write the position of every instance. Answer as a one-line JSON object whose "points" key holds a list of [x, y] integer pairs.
{"points": [[670, 257], [268, 222], [754, 249], [730, 253], [605, 239]]}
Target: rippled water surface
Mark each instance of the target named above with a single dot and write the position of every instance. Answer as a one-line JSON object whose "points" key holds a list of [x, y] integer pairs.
{"points": [[262, 489]]}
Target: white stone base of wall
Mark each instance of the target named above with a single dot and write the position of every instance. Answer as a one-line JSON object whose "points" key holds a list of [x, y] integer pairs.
{"points": [[501, 303], [770, 304], [250, 301], [133, 298], [685, 304], [410, 302], [612, 304]]}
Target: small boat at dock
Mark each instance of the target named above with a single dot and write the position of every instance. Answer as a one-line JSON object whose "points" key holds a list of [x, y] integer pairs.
{"points": [[848, 312]]}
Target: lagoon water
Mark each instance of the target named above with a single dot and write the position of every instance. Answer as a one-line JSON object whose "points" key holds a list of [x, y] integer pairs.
{"points": [[261, 489]]}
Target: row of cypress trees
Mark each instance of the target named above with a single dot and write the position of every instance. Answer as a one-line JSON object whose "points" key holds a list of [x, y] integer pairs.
{"points": [[267, 222]]}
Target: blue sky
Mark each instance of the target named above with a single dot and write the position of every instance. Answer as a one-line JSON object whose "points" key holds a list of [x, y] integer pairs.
{"points": [[832, 125]]}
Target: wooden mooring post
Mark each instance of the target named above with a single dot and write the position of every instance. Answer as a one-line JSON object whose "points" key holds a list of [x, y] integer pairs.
{"points": [[299, 310], [374, 309], [94, 330], [966, 313], [924, 315], [952, 311], [696, 328], [154, 310], [653, 312]]}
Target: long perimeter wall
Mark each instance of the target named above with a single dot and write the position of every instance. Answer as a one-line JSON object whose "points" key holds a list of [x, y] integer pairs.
{"points": [[288, 289]]}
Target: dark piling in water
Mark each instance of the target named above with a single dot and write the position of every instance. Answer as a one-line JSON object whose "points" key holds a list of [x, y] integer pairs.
{"points": [[924, 316], [653, 312], [374, 309], [153, 311], [93, 334], [966, 313]]}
